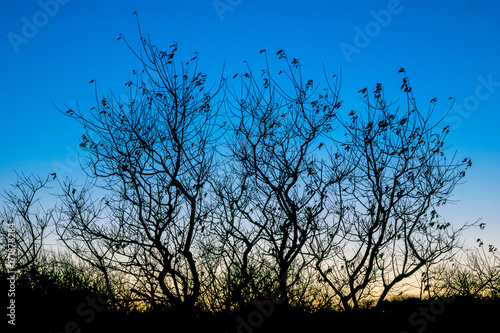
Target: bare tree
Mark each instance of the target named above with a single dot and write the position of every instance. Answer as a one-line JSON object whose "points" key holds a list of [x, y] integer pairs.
{"points": [[244, 270], [283, 203], [24, 222], [386, 208], [153, 154], [80, 214], [276, 132], [474, 272]]}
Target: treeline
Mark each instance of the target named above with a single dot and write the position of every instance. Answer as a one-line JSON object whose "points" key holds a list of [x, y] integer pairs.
{"points": [[58, 294], [267, 189]]}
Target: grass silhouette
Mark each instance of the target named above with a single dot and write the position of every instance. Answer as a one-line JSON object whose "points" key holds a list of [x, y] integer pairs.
{"points": [[51, 301]]}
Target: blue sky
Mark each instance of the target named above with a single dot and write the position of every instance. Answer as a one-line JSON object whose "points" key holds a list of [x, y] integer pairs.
{"points": [[51, 49]]}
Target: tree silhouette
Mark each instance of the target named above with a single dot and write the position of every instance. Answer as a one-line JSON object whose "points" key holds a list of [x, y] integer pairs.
{"points": [[217, 197], [24, 223], [79, 215], [473, 272], [153, 154], [279, 183], [386, 209]]}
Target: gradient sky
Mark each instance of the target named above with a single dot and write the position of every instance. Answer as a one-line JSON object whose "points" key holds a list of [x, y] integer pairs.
{"points": [[49, 53]]}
